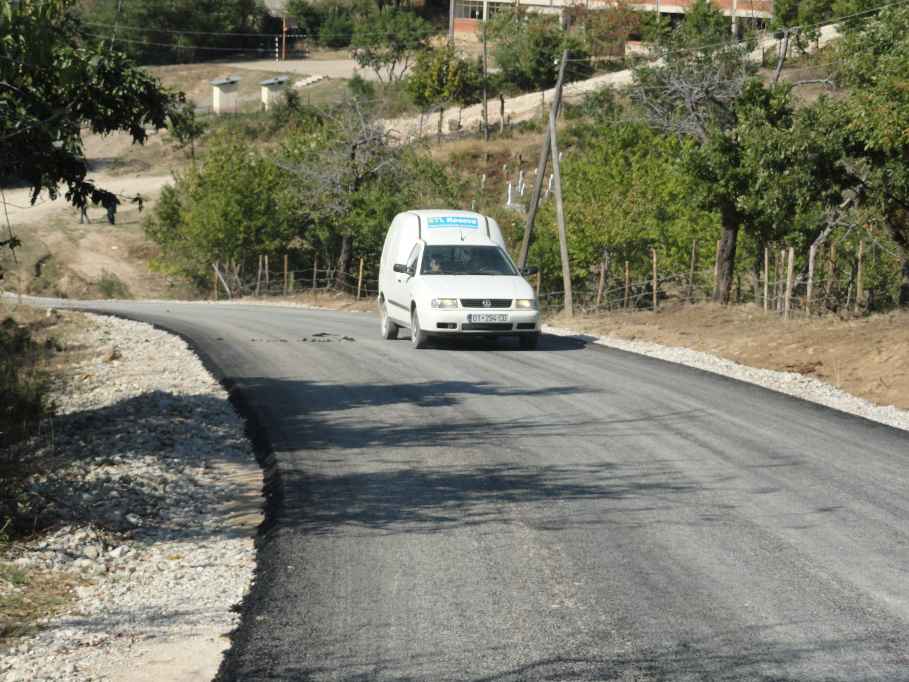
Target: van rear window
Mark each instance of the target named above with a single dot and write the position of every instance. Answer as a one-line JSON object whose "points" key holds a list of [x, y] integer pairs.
{"points": [[457, 259]]}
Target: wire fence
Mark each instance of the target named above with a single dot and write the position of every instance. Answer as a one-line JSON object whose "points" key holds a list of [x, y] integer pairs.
{"points": [[839, 282]]}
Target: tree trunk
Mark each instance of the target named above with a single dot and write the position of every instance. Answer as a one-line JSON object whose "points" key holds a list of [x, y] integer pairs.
{"points": [[727, 257], [344, 261]]}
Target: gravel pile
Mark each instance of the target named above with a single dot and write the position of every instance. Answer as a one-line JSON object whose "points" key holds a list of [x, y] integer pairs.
{"points": [[152, 497], [790, 383]]}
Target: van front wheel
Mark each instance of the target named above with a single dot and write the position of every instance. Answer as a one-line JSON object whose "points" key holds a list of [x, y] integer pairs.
{"points": [[418, 337], [389, 328]]}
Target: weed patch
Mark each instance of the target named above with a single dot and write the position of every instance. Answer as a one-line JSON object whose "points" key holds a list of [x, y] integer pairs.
{"points": [[112, 286]]}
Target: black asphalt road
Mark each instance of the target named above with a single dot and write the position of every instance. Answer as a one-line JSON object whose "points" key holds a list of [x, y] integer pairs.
{"points": [[574, 513]]}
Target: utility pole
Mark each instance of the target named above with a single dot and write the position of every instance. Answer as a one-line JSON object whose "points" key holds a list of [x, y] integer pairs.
{"points": [[541, 167], [485, 75], [451, 16], [284, 40], [560, 215]]}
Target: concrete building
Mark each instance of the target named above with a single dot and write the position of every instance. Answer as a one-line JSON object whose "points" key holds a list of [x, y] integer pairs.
{"points": [[468, 13], [224, 95]]}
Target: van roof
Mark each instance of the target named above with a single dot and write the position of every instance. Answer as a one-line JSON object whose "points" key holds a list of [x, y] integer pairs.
{"points": [[450, 226]]}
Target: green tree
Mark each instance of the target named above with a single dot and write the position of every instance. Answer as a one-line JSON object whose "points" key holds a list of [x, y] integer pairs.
{"points": [[625, 192], [177, 31], [185, 127], [236, 205], [528, 47], [440, 76], [53, 84], [872, 123], [387, 41], [702, 95]]}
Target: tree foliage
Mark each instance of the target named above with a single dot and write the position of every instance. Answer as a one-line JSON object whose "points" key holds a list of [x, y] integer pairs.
{"points": [[388, 40], [178, 31], [440, 76], [236, 204], [53, 84], [528, 47]]}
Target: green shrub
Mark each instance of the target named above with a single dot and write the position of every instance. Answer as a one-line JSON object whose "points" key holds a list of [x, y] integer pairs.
{"points": [[22, 383], [112, 286]]}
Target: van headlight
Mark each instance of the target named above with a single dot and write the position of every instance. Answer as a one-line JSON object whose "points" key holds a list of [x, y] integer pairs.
{"points": [[526, 303], [444, 303]]}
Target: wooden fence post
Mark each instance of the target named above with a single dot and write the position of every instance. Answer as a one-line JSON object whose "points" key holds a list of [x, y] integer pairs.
{"points": [[694, 257], [259, 275], [315, 271], [286, 285], [360, 279], [780, 271], [831, 271], [808, 295], [627, 285], [790, 270], [766, 277], [859, 289], [656, 284]]}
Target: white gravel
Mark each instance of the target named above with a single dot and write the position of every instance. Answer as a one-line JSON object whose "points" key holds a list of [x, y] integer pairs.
{"points": [[789, 383], [156, 498]]}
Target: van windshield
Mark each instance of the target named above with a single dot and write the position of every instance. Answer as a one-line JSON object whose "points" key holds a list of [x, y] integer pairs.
{"points": [[460, 259]]}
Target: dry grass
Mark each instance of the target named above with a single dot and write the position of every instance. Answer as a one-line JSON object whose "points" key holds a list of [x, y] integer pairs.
{"points": [[867, 357], [29, 597]]}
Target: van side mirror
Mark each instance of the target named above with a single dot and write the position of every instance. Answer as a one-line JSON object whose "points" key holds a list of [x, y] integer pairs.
{"points": [[530, 270], [400, 267]]}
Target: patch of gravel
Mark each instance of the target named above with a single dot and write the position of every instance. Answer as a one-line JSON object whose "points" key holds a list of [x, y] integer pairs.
{"points": [[153, 498], [790, 383]]}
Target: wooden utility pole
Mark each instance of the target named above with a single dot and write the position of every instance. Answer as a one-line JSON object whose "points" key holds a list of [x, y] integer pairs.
{"points": [[451, 18], [790, 271], [485, 81], [694, 257], [859, 289], [766, 277], [539, 283], [560, 214], [214, 281], [541, 165], [284, 39], [315, 271], [259, 276]]}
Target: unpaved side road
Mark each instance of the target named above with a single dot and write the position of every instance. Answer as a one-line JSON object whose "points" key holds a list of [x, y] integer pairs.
{"points": [[152, 496]]}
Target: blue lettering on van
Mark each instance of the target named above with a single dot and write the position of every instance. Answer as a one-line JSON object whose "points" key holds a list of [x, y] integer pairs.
{"points": [[468, 222]]}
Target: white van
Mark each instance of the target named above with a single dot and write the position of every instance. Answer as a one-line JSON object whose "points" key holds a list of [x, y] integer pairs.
{"points": [[448, 273]]}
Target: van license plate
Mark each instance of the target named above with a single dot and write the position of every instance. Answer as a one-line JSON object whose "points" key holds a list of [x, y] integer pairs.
{"points": [[487, 317]]}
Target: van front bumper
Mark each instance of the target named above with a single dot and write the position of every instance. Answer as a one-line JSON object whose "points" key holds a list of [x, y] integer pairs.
{"points": [[460, 321]]}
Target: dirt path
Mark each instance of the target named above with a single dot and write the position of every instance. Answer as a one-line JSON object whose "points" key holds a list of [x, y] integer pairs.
{"points": [[867, 357]]}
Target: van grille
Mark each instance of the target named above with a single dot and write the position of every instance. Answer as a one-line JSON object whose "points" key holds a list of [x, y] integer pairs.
{"points": [[486, 327], [479, 302]]}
